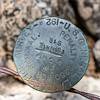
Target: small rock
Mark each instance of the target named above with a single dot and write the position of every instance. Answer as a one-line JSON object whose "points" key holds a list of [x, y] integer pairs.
{"points": [[89, 12], [96, 51], [42, 5]]}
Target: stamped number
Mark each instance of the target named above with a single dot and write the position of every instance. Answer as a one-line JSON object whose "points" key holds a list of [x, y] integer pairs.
{"points": [[51, 40], [53, 21]]}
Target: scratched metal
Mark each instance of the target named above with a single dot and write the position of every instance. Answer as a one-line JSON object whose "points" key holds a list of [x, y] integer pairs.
{"points": [[51, 54]]}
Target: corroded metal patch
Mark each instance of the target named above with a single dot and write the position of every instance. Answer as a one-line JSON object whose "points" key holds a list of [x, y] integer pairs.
{"points": [[51, 54]]}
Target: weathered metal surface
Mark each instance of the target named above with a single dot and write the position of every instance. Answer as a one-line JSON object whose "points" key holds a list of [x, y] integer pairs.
{"points": [[51, 54]]}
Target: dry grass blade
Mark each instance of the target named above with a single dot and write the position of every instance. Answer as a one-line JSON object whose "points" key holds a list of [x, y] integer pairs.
{"points": [[87, 95], [11, 72], [8, 71]]}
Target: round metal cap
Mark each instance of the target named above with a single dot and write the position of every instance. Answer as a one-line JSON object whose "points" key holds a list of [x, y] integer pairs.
{"points": [[51, 54]]}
